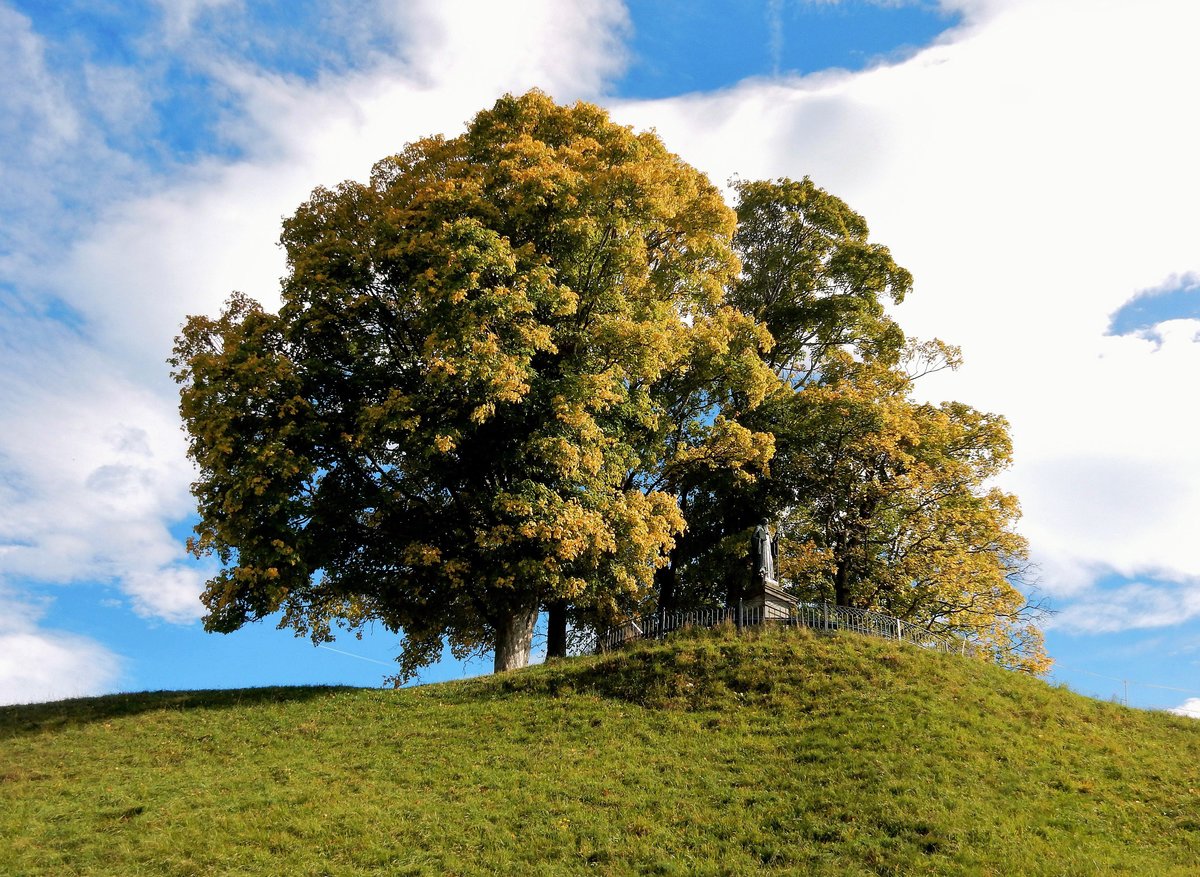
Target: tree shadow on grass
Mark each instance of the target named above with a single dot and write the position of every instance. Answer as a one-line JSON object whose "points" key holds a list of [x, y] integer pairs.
{"points": [[36, 718]]}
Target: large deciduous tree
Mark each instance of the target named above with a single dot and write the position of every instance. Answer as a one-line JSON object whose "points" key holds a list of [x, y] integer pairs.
{"points": [[459, 414]]}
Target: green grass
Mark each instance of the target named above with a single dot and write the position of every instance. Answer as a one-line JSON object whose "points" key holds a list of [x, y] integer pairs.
{"points": [[789, 753]]}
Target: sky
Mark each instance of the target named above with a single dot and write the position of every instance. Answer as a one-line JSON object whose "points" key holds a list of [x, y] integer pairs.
{"points": [[1030, 161]]}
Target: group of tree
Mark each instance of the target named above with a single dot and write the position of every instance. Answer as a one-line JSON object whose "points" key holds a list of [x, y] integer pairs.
{"points": [[543, 367]]}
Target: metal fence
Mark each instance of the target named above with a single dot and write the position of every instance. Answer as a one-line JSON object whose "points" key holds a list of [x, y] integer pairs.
{"points": [[817, 616]]}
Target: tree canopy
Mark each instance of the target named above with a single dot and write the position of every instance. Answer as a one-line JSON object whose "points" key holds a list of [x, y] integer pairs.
{"points": [[451, 421], [543, 366], [892, 507], [882, 502]]}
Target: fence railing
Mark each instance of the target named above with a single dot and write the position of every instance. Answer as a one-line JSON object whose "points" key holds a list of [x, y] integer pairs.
{"points": [[818, 616]]}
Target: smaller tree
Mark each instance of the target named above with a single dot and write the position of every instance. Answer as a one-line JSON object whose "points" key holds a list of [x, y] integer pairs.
{"points": [[886, 503], [894, 509], [813, 279]]}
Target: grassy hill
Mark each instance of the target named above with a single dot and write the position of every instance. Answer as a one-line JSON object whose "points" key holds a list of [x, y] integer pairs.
{"points": [[787, 752]]}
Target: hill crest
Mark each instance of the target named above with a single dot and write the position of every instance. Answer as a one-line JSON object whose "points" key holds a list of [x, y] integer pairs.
{"points": [[710, 752]]}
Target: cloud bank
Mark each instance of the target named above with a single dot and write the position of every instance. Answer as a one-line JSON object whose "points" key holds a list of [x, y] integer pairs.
{"points": [[1189, 708]]}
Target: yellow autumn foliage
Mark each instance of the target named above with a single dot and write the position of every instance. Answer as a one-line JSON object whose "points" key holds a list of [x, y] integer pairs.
{"points": [[442, 427]]}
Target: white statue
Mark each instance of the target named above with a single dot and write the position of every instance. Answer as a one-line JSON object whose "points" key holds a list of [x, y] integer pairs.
{"points": [[764, 550]]}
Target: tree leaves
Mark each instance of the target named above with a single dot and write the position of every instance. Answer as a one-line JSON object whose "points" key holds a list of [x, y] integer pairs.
{"points": [[883, 502], [441, 427], [892, 509]]}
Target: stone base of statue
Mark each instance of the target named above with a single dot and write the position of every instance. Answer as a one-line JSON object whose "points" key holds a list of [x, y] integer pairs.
{"points": [[768, 601]]}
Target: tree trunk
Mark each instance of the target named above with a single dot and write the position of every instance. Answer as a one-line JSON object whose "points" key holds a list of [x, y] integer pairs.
{"points": [[514, 639], [666, 580], [556, 629], [841, 583]]}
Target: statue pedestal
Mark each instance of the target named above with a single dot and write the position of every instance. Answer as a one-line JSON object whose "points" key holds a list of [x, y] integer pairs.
{"points": [[771, 600]]}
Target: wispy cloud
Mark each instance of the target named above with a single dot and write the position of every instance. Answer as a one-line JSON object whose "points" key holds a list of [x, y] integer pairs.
{"points": [[38, 664], [775, 31], [1135, 606], [179, 16], [93, 475], [40, 127]]}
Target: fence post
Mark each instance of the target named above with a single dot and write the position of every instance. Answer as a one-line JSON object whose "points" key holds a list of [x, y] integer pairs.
{"points": [[739, 614], [898, 631], [662, 623]]}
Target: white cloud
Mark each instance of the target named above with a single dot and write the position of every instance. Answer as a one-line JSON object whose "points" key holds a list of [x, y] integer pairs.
{"points": [[37, 122], [38, 664], [572, 49], [180, 15], [52, 156], [47, 665], [93, 473], [1189, 708], [1137, 606], [120, 98], [35, 103]]}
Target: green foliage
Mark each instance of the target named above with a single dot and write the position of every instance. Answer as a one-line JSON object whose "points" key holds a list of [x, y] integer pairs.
{"points": [[884, 503], [813, 278], [774, 752], [443, 427]]}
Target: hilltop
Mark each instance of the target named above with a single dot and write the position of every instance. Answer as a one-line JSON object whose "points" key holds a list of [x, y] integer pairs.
{"points": [[766, 752]]}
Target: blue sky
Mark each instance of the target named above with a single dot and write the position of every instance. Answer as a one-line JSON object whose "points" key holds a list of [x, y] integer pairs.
{"points": [[1176, 299], [1039, 186]]}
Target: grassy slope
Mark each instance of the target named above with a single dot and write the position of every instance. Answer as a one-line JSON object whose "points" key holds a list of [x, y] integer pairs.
{"points": [[785, 752]]}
